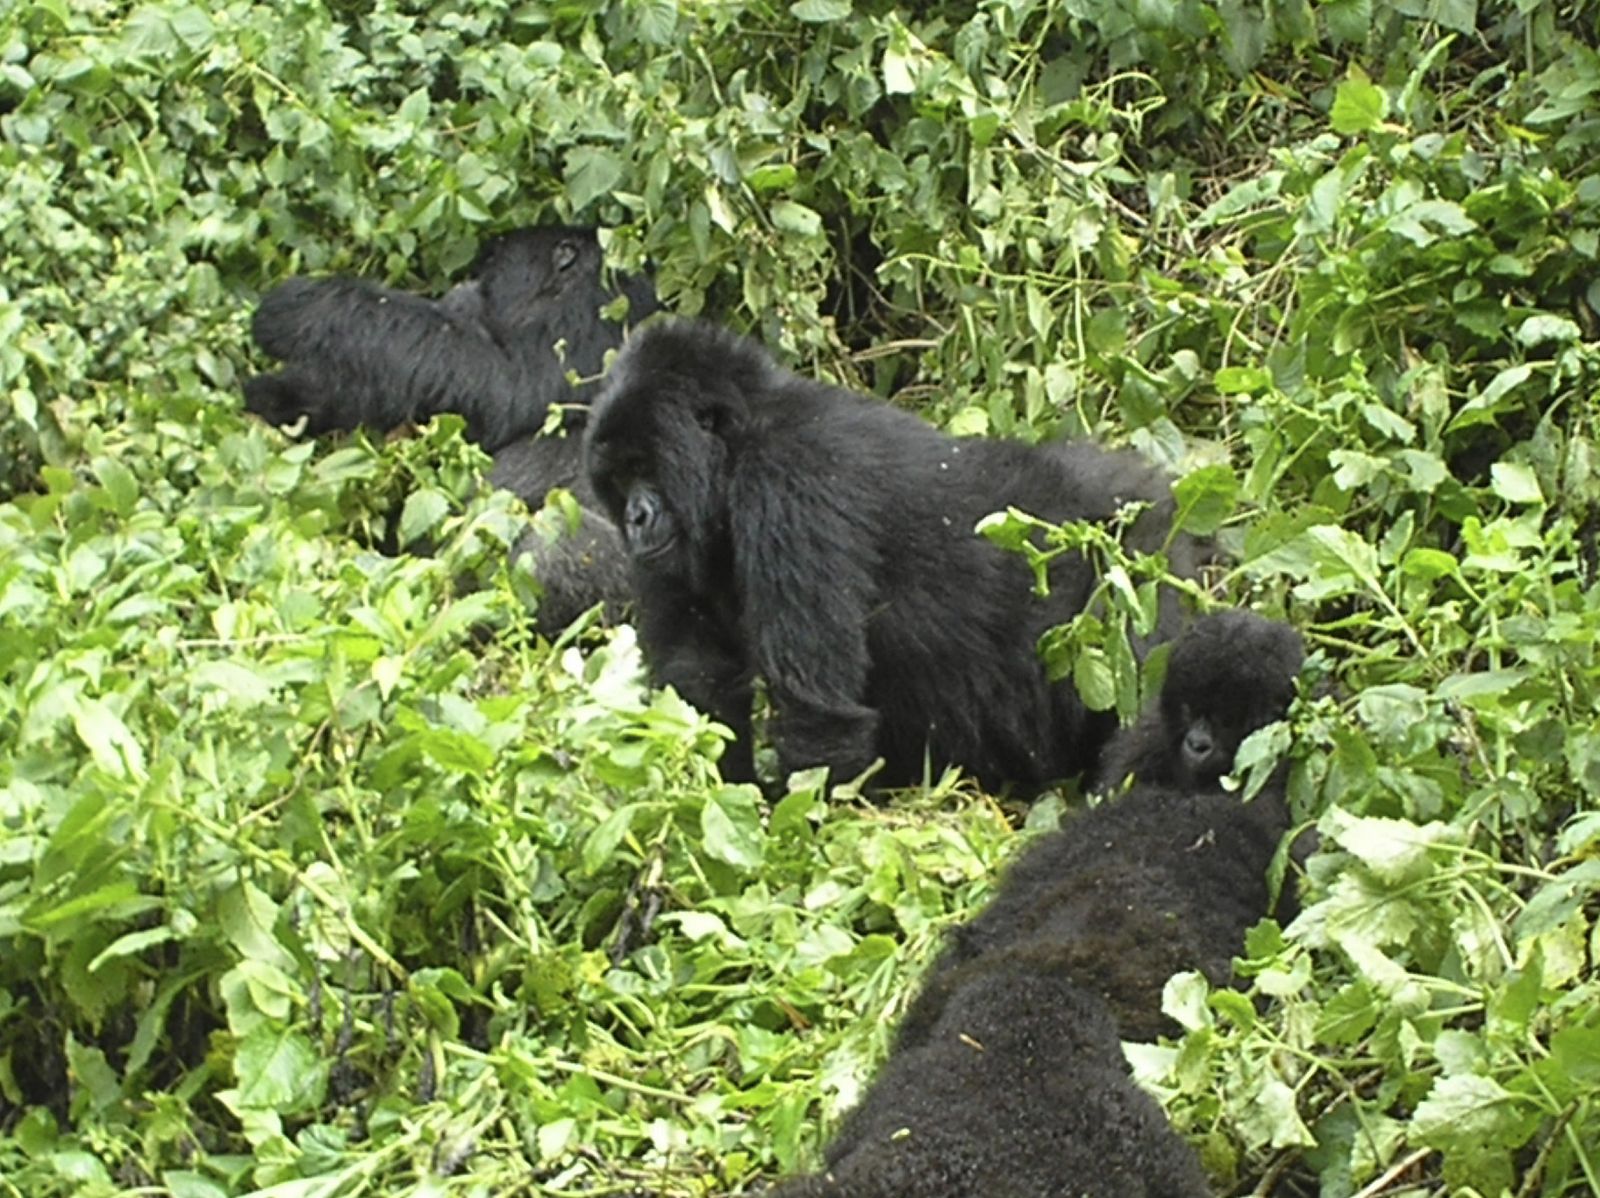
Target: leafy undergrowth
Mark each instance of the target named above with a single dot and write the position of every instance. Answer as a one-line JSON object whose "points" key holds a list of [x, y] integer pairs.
{"points": [[320, 875]]}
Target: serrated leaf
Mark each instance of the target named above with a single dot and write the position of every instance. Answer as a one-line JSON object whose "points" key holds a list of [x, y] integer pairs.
{"points": [[278, 1070], [1205, 499], [1359, 106], [247, 916], [1394, 850]]}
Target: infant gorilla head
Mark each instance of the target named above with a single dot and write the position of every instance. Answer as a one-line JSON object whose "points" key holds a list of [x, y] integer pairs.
{"points": [[824, 541], [1231, 673]]}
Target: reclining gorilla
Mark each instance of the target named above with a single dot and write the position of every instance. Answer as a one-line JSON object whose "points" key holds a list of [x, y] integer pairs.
{"points": [[824, 541], [1007, 1075], [356, 353]]}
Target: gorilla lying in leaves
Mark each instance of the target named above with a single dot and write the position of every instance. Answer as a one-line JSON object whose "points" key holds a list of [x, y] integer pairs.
{"points": [[355, 353], [1007, 1077], [782, 528]]}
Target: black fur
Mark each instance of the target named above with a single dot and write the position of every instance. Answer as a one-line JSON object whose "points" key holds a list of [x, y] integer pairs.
{"points": [[1160, 880], [1007, 1078], [824, 541], [355, 353], [1018, 1089], [1232, 673]]}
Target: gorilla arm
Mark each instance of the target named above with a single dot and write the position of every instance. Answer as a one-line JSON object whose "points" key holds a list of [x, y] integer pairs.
{"points": [[356, 353], [804, 569]]}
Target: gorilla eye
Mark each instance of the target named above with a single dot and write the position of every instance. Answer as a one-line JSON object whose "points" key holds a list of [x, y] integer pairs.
{"points": [[710, 418]]}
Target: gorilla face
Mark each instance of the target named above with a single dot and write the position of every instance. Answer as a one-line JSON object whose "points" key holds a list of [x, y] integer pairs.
{"points": [[1231, 674], [658, 457]]}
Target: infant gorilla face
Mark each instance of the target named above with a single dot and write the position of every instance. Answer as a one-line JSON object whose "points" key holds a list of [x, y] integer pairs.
{"points": [[1229, 675]]}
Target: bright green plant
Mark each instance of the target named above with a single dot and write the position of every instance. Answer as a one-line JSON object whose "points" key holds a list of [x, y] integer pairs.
{"points": [[320, 875]]}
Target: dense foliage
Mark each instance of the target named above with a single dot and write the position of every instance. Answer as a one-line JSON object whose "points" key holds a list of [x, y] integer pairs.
{"points": [[319, 875]]}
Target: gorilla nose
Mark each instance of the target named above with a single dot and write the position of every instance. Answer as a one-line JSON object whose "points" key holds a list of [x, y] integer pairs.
{"points": [[640, 511]]}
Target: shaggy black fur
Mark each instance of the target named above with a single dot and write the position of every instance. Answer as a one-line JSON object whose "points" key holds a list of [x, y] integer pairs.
{"points": [[1160, 880], [355, 353], [1007, 1078], [1017, 1090], [824, 541]]}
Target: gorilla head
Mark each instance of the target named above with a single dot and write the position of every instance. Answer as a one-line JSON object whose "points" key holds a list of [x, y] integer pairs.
{"points": [[824, 541], [1231, 673]]}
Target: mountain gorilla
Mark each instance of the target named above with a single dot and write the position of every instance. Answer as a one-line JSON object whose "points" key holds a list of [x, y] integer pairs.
{"points": [[1168, 876], [494, 349], [1019, 1090], [824, 541], [1007, 1075], [1231, 673]]}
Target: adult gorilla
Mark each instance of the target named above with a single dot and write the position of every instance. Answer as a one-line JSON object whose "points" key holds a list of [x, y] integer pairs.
{"points": [[496, 350], [824, 541]]}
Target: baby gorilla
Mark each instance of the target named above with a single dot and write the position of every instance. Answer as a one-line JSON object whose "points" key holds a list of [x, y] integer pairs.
{"points": [[356, 353], [1168, 876], [1007, 1077], [824, 541], [1018, 1089], [1232, 673]]}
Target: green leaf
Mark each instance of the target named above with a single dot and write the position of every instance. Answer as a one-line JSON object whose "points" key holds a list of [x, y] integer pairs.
{"points": [[424, 510], [1359, 106], [108, 740], [1242, 380], [730, 823], [1394, 850], [591, 173], [278, 1070], [247, 917], [796, 218], [1515, 483], [1545, 328], [817, 12]]}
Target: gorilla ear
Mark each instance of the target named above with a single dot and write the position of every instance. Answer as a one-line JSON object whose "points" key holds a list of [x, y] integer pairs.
{"points": [[564, 254]]}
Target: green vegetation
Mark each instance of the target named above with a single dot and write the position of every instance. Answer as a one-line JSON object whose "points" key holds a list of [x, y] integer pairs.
{"points": [[320, 876]]}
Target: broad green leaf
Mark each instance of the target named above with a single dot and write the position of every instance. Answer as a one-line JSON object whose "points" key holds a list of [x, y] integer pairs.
{"points": [[108, 740], [247, 917], [423, 511], [591, 173], [1394, 850], [730, 822], [818, 12], [1359, 106], [278, 1070]]}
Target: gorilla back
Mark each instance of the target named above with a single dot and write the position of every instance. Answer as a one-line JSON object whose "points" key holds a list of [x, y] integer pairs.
{"points": [[824, 540], [358, 353]]}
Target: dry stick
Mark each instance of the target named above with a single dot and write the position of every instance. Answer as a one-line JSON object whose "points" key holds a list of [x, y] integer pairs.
{"points": [[1536, 1170], [1378, 1186]]}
